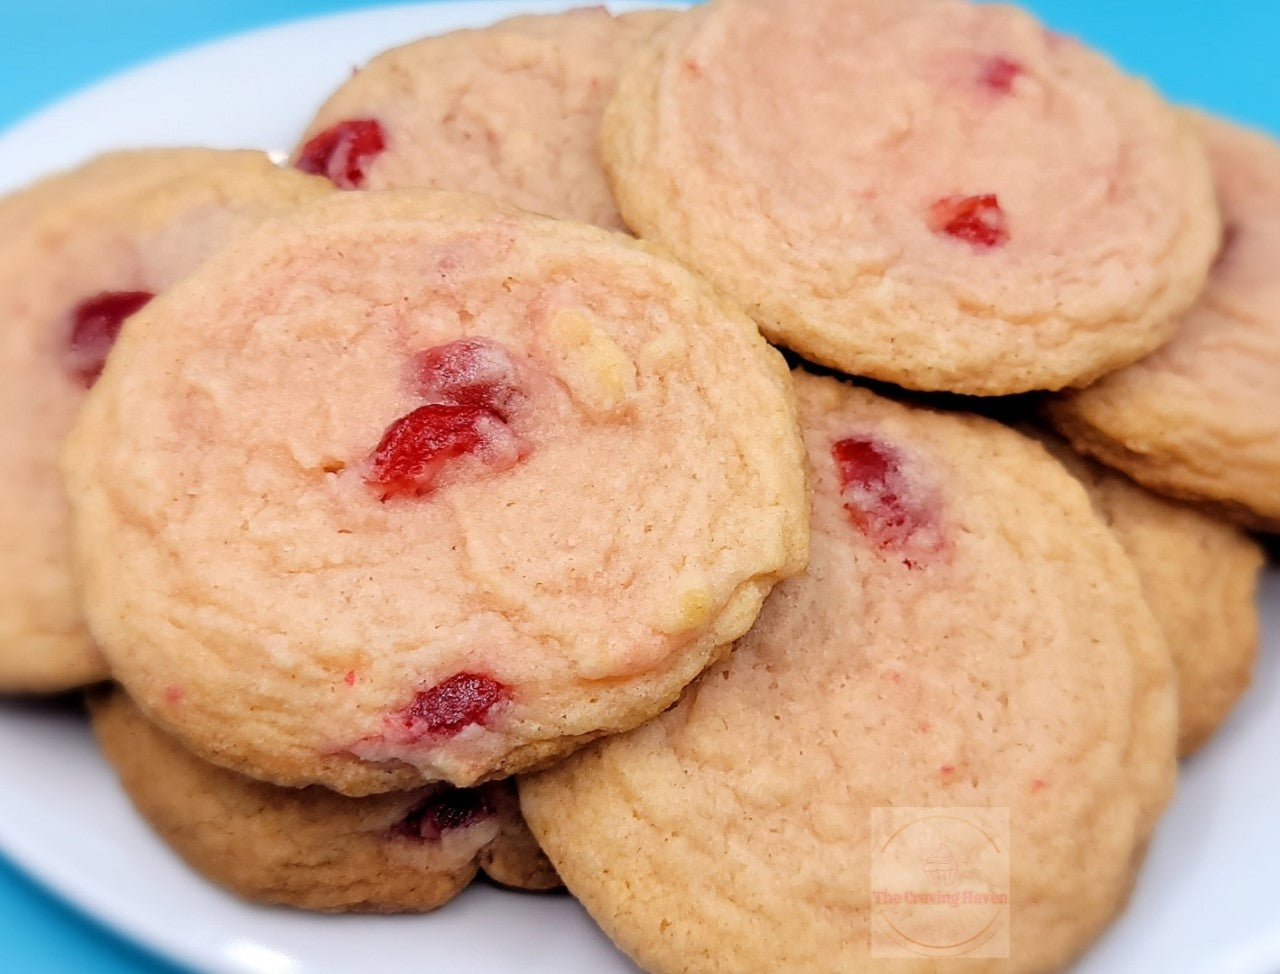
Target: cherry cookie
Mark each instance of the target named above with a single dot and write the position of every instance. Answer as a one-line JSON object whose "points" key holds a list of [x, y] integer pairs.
{"points": [[511, 111], [79, 253], [1200, 419], [1200, 576], [408, 487], [969, 642], [934, 193], [396, 853]]}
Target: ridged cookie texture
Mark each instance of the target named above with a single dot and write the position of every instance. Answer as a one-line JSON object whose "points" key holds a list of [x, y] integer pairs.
{"points": [[77, 251], [1200, 576], [934, 193], [414, 486], [402, 852], [1200, 418], [511, 111], [969, 639]]}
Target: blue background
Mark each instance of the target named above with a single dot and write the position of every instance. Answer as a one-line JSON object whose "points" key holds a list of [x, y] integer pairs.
{"points": [[1219, 54]]}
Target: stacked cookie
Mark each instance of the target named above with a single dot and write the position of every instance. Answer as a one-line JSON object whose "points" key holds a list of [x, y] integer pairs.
{"points": [[386, 495]]}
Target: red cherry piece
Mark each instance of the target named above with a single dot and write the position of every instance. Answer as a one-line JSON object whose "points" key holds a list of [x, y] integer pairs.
{"points": [[999, 73], [469, 372], [880, 499], [343, 151], [95, 325], [977, 220], [416, 447], [450, 707], [445, 811]]}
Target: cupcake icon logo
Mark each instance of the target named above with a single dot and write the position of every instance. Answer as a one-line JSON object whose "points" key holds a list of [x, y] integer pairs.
{"points": [[940, 882], [941, 867]]}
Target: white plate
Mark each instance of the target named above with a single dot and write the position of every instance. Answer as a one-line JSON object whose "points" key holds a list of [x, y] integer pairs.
{"points": [[1206, 900]]}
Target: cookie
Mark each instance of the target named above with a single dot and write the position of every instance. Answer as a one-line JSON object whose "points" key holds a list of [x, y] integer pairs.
{"points": [[403, 852], [942, 195], [1200, 576], [78, 253], [1200, 418], [406, 487], [511, 111], [969, 642]]}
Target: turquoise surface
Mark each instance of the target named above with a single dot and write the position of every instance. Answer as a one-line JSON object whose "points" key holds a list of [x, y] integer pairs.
{"points": [[1220, 56]]}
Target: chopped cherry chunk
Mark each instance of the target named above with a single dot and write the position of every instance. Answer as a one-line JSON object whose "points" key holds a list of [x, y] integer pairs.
{"points": [[470, 390], [468, 372], [95, 325], [343, 151], [977, 220], [881, 501], [999, 73], [444, 811], [449, 707], [864, 462], [416, 447]]}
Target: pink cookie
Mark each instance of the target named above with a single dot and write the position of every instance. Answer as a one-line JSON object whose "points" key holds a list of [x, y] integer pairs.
{"points": [[403, 852], [407, 487], [80, 252], [965, 694], [511, 111], [935, 193], [1200, 419]]}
